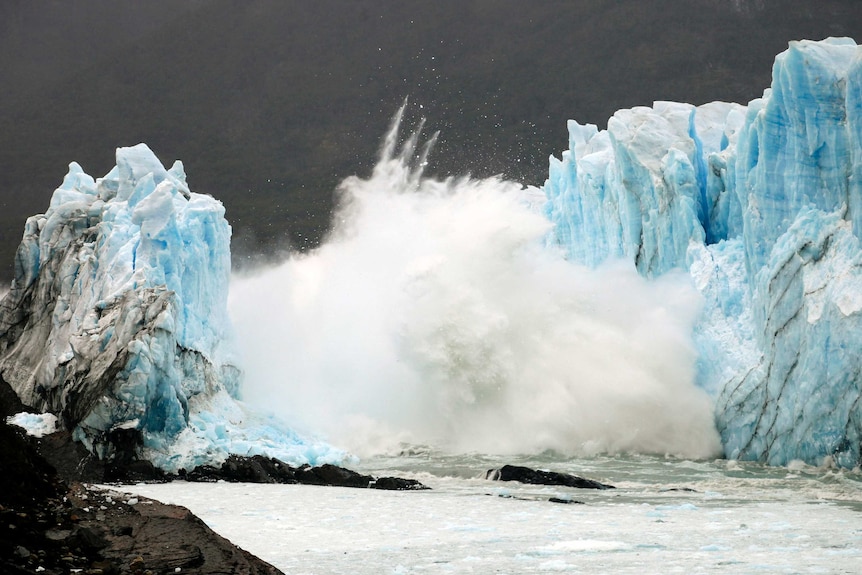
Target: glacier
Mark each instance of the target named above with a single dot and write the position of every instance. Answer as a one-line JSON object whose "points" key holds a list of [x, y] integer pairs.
{"points": [[117, 319], [762, 205], [117, 322]]}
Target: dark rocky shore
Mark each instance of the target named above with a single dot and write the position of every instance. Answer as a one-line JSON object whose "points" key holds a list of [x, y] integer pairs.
{"points": [[51, 526], [53, 521]]}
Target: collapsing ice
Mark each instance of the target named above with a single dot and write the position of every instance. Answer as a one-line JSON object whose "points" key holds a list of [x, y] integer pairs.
{"points": [[435, 314]]}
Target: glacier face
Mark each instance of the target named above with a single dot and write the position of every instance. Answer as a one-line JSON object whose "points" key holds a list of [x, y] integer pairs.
{"points": [[762, 205], [117, 321]]}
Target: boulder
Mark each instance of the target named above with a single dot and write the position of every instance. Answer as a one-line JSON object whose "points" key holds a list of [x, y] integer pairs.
{"points": [[538, 477]]}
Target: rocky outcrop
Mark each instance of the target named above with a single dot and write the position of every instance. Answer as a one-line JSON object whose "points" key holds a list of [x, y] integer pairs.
{"points": [[538, 477], [259, 469], [140, 535], [54, 526], [51, 527]]}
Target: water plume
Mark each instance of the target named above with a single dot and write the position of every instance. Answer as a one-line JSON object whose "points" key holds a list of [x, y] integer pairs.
{"points": [[435, 313]]}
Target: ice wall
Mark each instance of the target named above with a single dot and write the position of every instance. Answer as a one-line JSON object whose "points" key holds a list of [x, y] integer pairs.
{"points": [[762, 205], [117, 320]]}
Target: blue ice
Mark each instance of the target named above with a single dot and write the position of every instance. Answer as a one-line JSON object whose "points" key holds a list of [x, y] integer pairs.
{"points": [[762, 204]]}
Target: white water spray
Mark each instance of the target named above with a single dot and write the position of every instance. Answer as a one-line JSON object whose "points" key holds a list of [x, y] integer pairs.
{"points": [[435, 314]]}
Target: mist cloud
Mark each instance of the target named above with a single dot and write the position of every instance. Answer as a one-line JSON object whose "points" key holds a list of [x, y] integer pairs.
{"points": [[435, 314]]}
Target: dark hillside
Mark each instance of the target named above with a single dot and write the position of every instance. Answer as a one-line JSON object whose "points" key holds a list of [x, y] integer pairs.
{"points": [[270, 103]]}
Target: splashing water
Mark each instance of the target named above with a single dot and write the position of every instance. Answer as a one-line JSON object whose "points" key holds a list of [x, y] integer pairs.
{"points": [[436, 314]]}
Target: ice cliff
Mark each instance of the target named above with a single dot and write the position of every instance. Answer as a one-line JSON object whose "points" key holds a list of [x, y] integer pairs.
{"points": [[117, 322], [763, 206]]}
